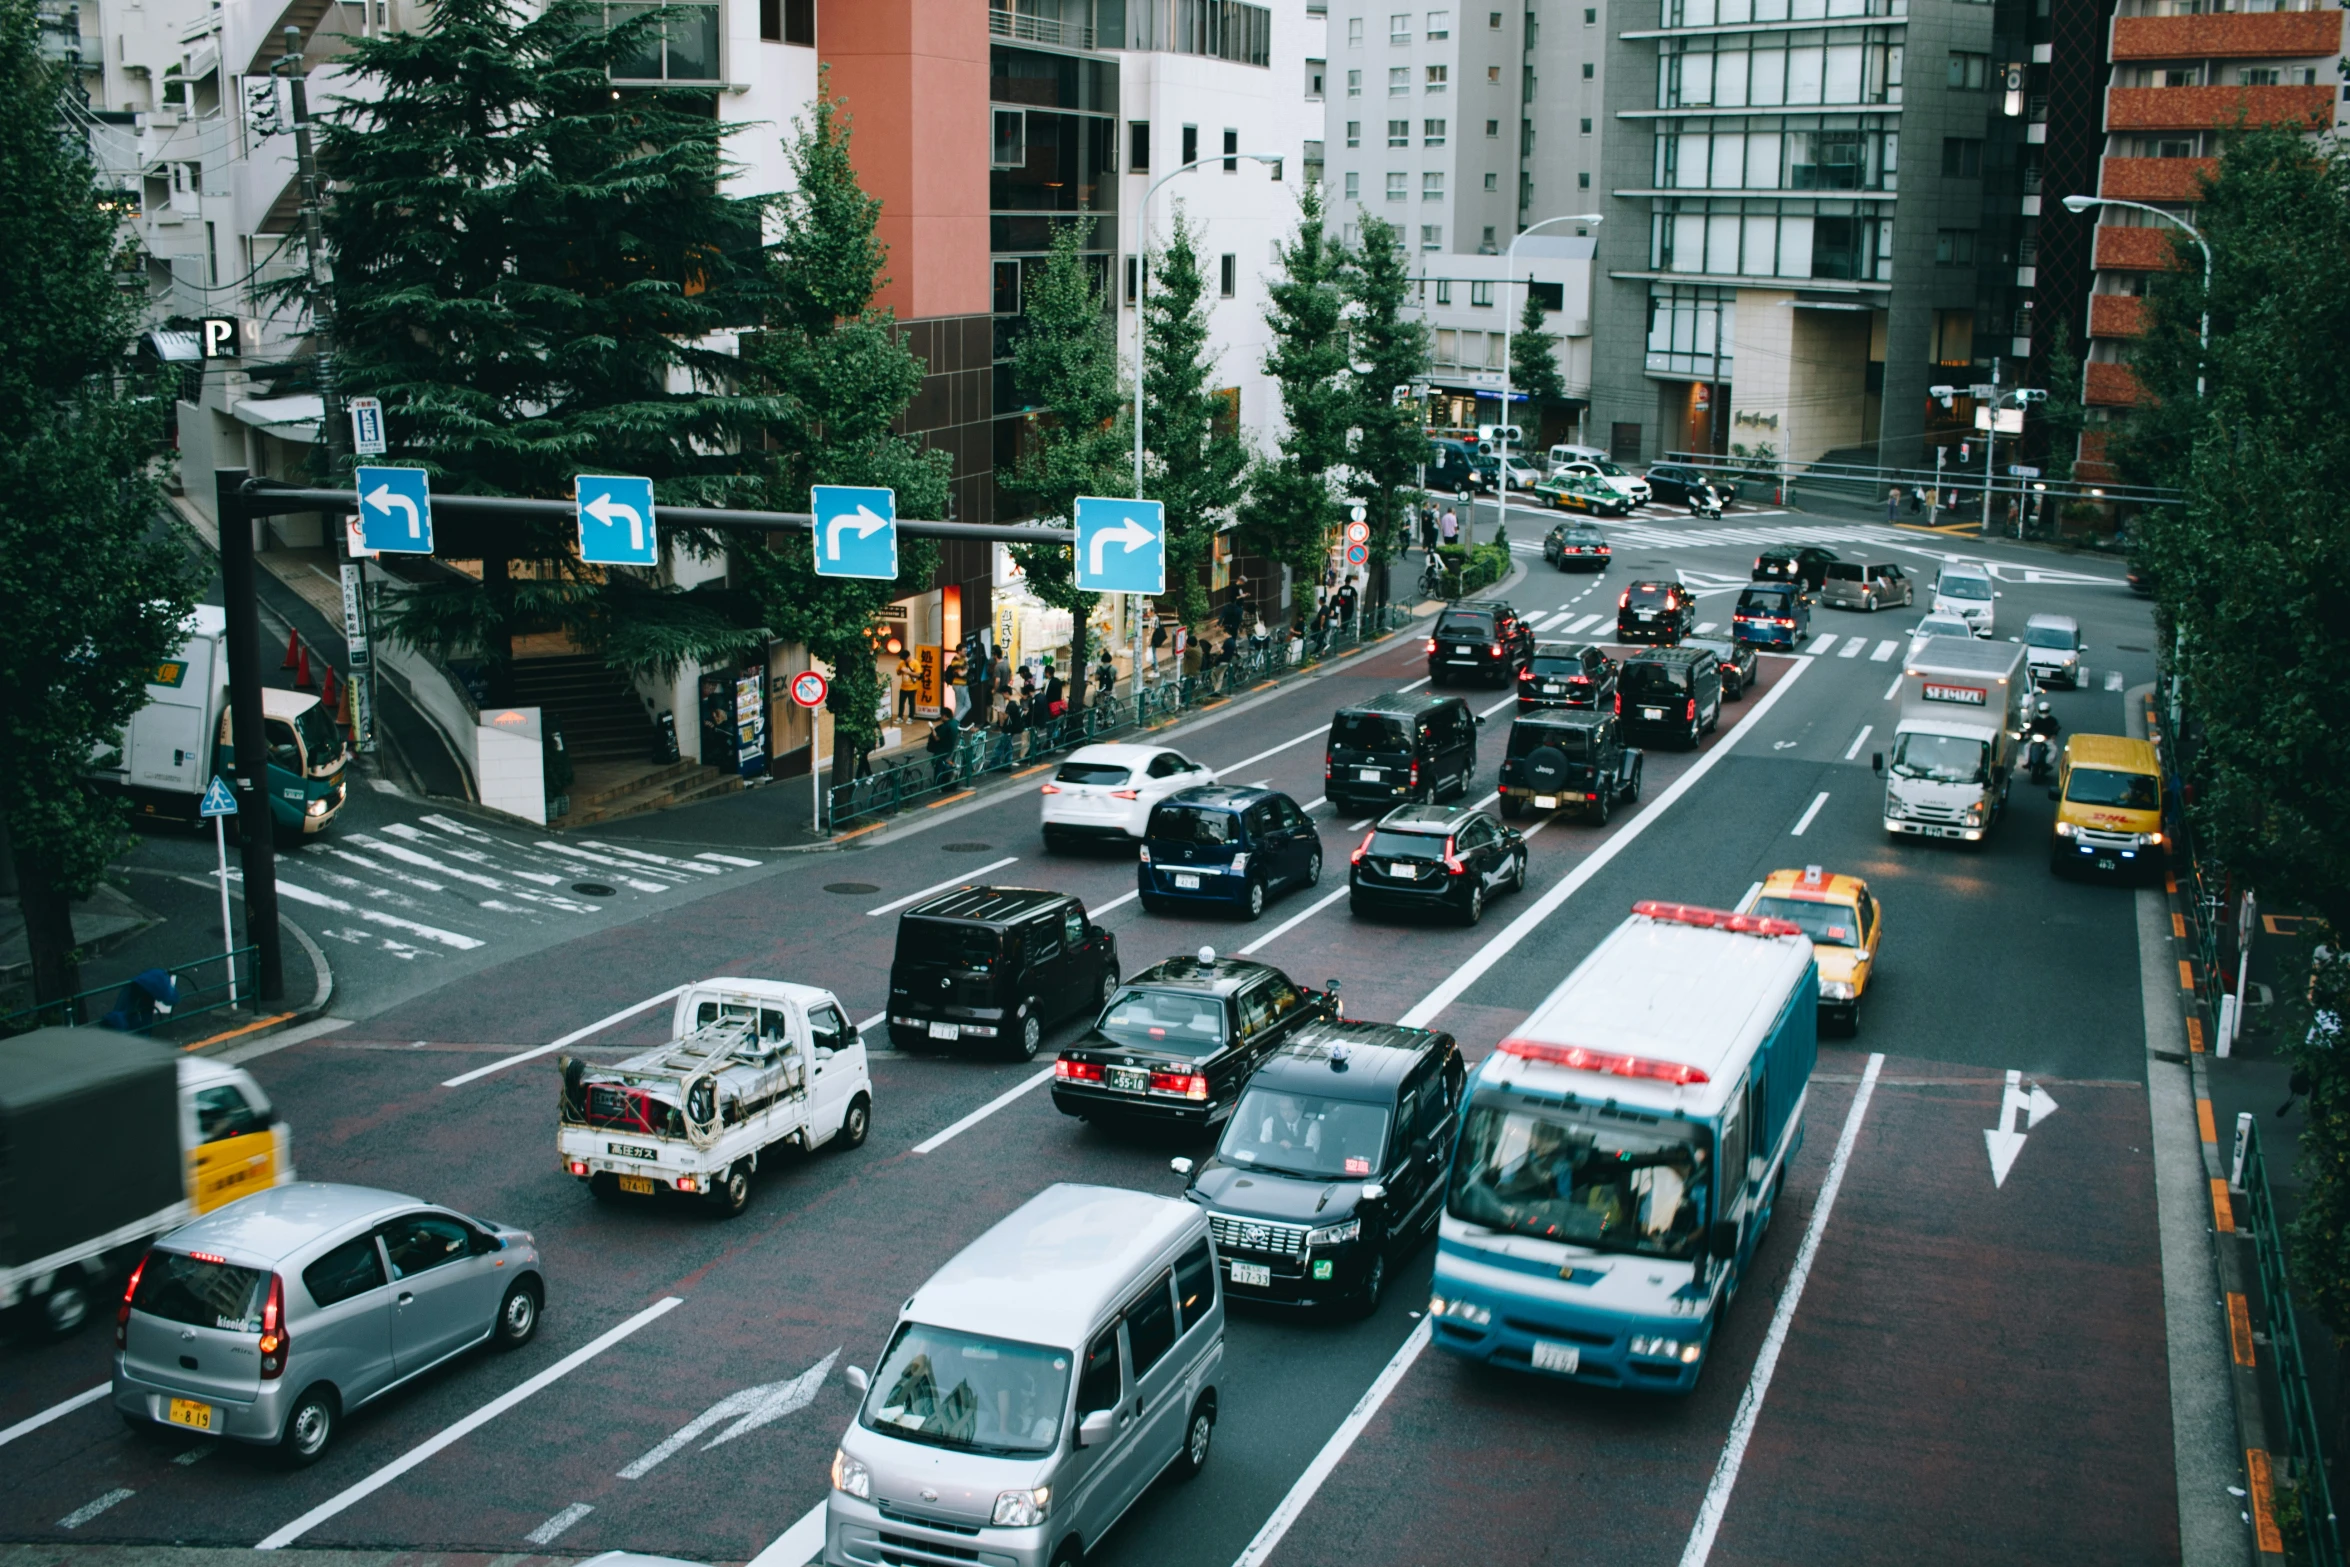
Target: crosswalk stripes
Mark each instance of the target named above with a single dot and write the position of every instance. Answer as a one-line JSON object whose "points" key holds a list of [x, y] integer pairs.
{"points": [[1821, 643], [1705, 626], [1852, 647], [1583, 625], [1884, 651]]}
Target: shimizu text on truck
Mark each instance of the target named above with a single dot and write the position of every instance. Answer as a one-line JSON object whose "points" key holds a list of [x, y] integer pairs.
{"points": [[1963, 710], [1621, 1152], [169, 751], [750, 1064], [2109, 807], [107, 1141]]}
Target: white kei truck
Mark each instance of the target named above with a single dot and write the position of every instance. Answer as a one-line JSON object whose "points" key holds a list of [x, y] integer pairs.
{"points": [[1964, 707], [751, 1065]]}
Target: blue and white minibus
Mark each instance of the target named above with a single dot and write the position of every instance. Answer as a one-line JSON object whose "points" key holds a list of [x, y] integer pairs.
{"points": [[1620, 1152]]}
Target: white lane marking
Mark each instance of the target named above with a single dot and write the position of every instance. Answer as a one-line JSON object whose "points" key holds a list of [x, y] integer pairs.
{"points": [[1508, 701], [1507, 939], [734, 860], [1358, 826], [1357, 1420], [1858, 741], [1415, 685], [1260, 783], [1585, 624], [196, 1455], [1234, 767], [749, 1409], [1295, 920], [32, 1423], [929, 1144], [453, 1434], [1717, 1495], [1488, 800], [1821, 643], [661, 860], [1804, 825], [1752, 893], [869, 1022], [89, 1510], [1123, 897], [951, 881], [1892, 690], [426, 862], [1705, 626], [1316, 803], [451, 825], [2113, 680], [433, 933], [1884, 651], [609, 863], [1852, 647], [366, 864], [572, 1038], [798, 1545], [548, 1532]]}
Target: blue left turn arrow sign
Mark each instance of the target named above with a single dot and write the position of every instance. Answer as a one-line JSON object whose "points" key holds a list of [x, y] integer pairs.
{"points": [[616, 521], [395, 511]]}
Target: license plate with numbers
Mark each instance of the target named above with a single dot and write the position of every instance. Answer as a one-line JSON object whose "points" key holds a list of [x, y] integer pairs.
{"points": [[642, 1185], [1366, 775], [1129, 1079], [1556, 1357], [1259, 1274], [193, 1413], [946, 1030], [1187, 883]]}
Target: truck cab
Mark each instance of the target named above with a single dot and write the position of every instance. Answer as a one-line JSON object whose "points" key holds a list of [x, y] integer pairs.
{"points": [[307, 758], [1963, 706]]}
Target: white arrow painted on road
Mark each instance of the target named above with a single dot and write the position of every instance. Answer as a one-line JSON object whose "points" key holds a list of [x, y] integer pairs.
{"points": [[864, 522], [383, 498], [608, 511], [2006, 1140], [749, 1409], [1129, 536]]}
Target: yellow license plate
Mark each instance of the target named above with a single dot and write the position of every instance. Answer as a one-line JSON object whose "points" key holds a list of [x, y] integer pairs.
{"points": [[191, 1413], [640, 1184]]}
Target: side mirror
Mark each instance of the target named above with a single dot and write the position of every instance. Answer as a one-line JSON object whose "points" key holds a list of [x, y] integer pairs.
{"points": [[1095, 1428], [1877, 763], [858, 1379], [1374, 1191], [1721, 1241], [1181, 1166], [1480, 720]]}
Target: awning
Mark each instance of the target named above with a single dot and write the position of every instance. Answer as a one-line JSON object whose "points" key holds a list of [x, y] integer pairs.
{"points": [[174, 347], [288, 418]]}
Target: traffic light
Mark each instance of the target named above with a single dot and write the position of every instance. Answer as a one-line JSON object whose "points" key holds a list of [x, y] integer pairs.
{"points": [[1965, 450]]}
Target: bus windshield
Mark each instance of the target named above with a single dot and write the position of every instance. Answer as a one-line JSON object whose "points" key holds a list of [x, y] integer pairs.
{"points": [[1589, 1177]]}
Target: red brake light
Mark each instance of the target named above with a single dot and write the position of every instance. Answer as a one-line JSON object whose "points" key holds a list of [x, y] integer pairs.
{"points": [[1191, 1085], [212, 1257], [275, 1341], [1431, 644], [1692, 713], [1527, 673], [1362, 849], [1619, 702], [1415, 782], [122, 1315], [1050, 789], [1497, 650], [1579, 680], [1623, 598], [1716, 919], [1069, 1071], [1452, 862], [576, 1166], [1125, 794], [1583, 1060]]}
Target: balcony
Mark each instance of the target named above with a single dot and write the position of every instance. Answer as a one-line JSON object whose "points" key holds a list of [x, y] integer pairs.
{"points": [[2229, 35], [2156, 179], [2117, 315], [2111, 386], [1032, 27], [2134, 249], [2216, 108]]}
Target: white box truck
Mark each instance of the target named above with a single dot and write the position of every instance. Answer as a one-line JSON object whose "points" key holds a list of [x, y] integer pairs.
{"points": [[1964, 705]]}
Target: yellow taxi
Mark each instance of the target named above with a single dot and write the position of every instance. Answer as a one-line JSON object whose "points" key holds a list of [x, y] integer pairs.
{"points": [[2108, 807], [1844, 924]]}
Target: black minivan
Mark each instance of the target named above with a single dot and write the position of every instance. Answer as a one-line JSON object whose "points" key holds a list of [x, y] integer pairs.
{"points": [[1672, 691], [1401, 746], [1224, 844], [996, 965]]}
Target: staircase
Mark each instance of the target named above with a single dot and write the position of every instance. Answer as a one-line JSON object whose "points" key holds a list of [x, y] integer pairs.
{"points": [[599, 713], [594, 799]]}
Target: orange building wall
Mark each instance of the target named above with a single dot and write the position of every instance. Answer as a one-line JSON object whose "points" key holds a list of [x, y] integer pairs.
{"points": [[2116, 315], [2110, 386], [2216, 108], [2134, 250], [2156, 179], [2274, 35]]}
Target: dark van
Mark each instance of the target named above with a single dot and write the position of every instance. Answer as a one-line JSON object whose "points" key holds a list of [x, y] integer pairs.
{"points": [[1670, 690], [996, 966], [1224, 844], [1771, 614], [1452, 465], [1399, 747]]}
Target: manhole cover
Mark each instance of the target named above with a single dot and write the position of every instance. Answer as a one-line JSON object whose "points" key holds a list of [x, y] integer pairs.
{"points": [[850, 886], [967, 848], [591, 889]]}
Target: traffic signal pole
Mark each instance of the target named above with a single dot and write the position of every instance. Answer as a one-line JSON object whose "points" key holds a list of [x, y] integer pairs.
{"points": [[250, 768]]}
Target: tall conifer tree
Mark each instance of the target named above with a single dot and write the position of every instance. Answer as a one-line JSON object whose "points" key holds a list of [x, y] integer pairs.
{"points": [[1192, 449], [1391, 442], [1292, 506]]}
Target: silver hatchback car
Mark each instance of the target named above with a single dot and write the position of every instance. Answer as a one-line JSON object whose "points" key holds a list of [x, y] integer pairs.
{"points": [[270, 1319]]}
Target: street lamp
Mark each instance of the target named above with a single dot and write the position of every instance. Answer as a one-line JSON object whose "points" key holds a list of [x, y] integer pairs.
{"points": [[2203, 329], [1509, 321]]}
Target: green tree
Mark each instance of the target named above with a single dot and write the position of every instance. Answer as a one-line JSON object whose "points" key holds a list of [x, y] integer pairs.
{"points": [[101, 593], [2063, 415], [1291, 506], [529, 268], [1080, 438], [1390, 350], [843, 376], [1193, 450], [1534, 366]]}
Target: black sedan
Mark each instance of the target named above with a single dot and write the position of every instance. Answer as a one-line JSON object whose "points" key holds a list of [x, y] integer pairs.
{"points": [[1443, 857], [1574, 546], [1740, 668], [1567, 674], [1179, 1039], [1807, 565]]}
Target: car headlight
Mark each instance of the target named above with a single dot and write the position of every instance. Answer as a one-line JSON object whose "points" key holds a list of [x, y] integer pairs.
{"points": [[1974, 813], [1459, 1310], [851, 1477], [1835, 990], [1666, 1349], [2066, 829], [1334, 1234], [1021, 1509], [318, 806], [1895, 809]]}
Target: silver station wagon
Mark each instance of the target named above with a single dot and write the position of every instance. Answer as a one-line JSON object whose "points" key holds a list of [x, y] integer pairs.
{"points": [[269, 1320]]}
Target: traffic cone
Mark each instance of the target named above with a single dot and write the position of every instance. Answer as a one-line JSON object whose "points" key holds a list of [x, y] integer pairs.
{"points": [[326, 687], [293, 649], [301, 666]]}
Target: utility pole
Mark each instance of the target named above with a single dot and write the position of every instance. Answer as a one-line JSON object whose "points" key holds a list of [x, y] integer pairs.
{"points": [[249, 769], [322, 316], [1991, 446]]}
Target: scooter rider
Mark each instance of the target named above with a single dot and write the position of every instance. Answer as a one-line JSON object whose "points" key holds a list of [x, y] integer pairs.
{"points": [[2040, 740], [1705, 501]]}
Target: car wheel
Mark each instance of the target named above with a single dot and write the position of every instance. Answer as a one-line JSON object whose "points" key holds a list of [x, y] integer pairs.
{"points": [[1696, 731], [1255, 899], [1473, 912], [1053, 843], [1713, 720], [64, 1308], [1071, 1554], [518, 1315], [1365, 1300], [1633, 791], [1313, 873], [1107, 988], [1031, 1036], [1198, 1437], [732, 1194], [1601, 809], [1518, 873], [310, 1427], [1868, 603]]}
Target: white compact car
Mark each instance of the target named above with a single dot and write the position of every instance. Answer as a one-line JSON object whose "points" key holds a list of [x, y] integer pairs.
{"points": [[1937, 625], [1966, 591], [1624, 482], [1107, 791]]}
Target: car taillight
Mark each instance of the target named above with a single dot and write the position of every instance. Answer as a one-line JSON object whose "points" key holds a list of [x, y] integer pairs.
{"points": [[1361, 849], [1125, 794], [122, 1315], [1623, 598], [576, 1166], [1526, 674], [1789, 623], [1431, 644], [1579, 680], [1619, 704], [1692, 713], [1069, 1071], [1191, 1085], [274, 1339], [1497, 650], [1050, 789], [1415, 779], [1452, 861]]}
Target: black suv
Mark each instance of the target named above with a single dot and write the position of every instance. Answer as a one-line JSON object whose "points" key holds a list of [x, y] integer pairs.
{"points": [[1674, 690], [998, 965], [1176, 1043], [1576, 546], [1663, 612], [1478, 637], [1565, 760], [1740, 668], [1807, 565], [1674, 483], [1226, 845], [1401, 746], [1331, 1170], [1567, 674], [1436, 856]]}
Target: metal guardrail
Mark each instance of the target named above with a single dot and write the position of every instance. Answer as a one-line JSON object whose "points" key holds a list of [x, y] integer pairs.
{"points": [[1865, 480], [197, 996], [2312, 1515], [920, 780]]}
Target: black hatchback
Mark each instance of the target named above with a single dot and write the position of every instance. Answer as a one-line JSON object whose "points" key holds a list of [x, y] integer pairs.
{"points": [[1807, 565], [1672, 691], [1740, 668], [1224, 845], [1675, 482], [1661, 612], [1331, 1169], [1481, 637], [1175, 1043], [1567, 674], [1575, 546], [996, 967], [1439, 857]]}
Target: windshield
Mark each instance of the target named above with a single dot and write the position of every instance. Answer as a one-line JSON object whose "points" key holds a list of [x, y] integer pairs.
{"points": [[2104, 786], [200, 1292], [2061, 637], [1582, 536], [949, 942], [1370, 732], [1174, 1022], [986, 1395], [1723, 651], [1654, 682], [1193, 824], [1827, 924], [322, 742], [1943, 626], [1649, 592], [1092, 773], [1305, 1134], [1964, 587], [1526, 739], [1601, 1179], [1608, 468], [1940, 758]]}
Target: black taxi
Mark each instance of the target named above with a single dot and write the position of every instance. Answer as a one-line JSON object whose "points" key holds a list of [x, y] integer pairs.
{"points": [[1330, 1172], [1178, 1040]]}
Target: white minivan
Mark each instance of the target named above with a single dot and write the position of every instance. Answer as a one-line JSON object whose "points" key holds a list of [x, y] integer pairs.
{"points": [[1035, 1387], [1966, 591]]}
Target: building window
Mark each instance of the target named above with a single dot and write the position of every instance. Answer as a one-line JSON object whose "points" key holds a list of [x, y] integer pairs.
{"points": [[1444, 291], [1431, 187], [1231, 150], [1962, 156], [1316, 70], [1228, 275], [1588, 68], [1481, 295], [1011, 139], [1440, 24], [1492, 128], [1138, 146], [1587, 125], [1493, 20], [1439, 77], [1431, 236], [1969, 72], [1354, 186], [1354, 84], [1190, 145], [1313, 163], [1590, 17], [1354, 133], [1007, 287], [683, 48], [1399, 133], [1354, 32], [1399, 81], [1487, 246], [1130, 275], [1432, 133], [1353, 234], [1492, 180], [1399, 28], [2258, 76], [1954, 248], [1583, 181], [1398, 185]]}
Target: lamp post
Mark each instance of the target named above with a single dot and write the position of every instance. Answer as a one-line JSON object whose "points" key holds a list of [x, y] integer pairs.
{"points": [[2203, 328], [1509, 321]]}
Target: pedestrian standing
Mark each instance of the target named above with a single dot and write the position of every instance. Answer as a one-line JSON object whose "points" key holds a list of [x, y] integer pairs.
{"points": [[1449, 528], [1158, 641], [1917, 500], [908, 688], [1892, 504]]}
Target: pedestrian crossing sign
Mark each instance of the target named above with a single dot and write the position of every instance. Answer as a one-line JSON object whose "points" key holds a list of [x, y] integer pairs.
{"points": [[217, 800]]}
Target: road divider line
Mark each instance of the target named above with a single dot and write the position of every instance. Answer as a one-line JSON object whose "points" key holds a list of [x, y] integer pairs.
{"points": [[456, 1433], [1123, 897], [1804, 824], [1717, 1495], [32, 1423], [1858, 741], [1508, 938], [798, 1545], [1326, 1461], [735, 860], [1295, 920], [1586, 623], [1234, 767], [548, 1532], [572, 1038], [932, 1144], [952, 881], [1884, 651], [1507, 701], [1415, 685], [89, 1510], [1892, 690]]}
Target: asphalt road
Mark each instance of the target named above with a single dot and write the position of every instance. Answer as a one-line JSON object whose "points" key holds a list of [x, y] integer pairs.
{"points": [[1970, 1373]]}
